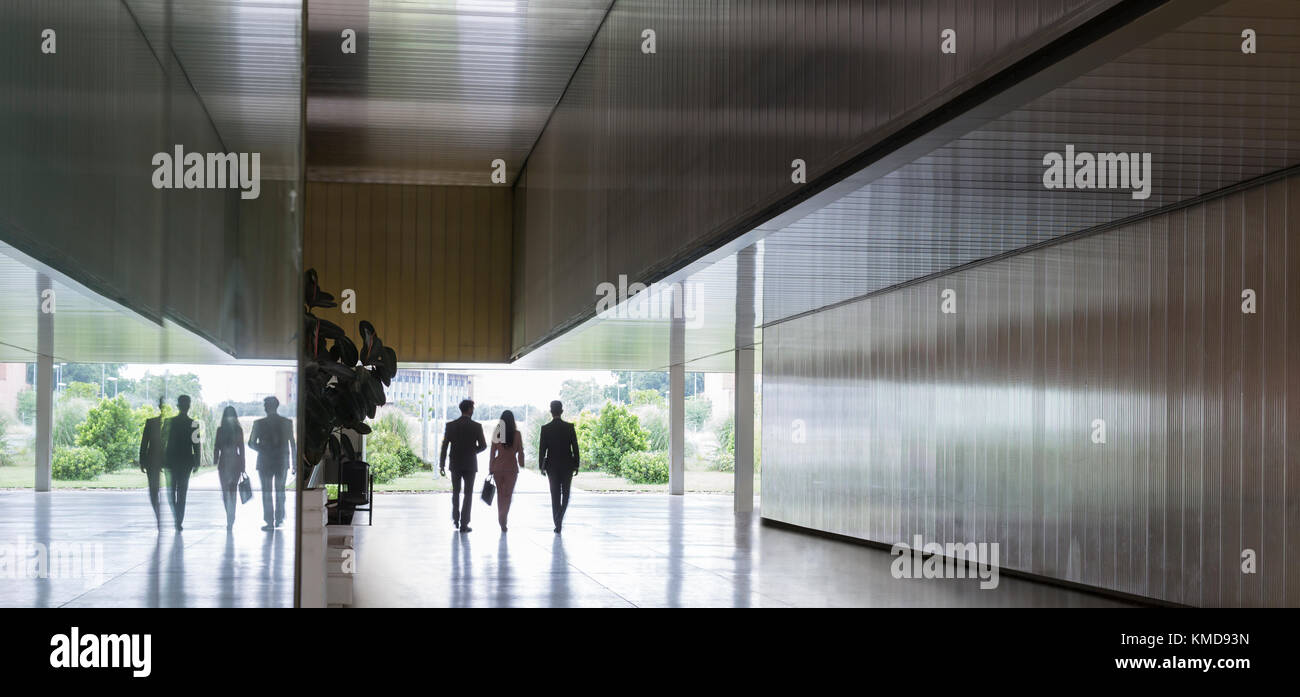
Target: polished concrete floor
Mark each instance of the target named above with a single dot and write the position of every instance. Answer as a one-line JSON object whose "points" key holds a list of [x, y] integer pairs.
{"points": [[617, 550], [642, 550], [126, 562]]}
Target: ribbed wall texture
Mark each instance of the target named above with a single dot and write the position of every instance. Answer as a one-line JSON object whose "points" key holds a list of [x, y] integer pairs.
{"points": [[978, 426], [430, 265], [647, 157]]}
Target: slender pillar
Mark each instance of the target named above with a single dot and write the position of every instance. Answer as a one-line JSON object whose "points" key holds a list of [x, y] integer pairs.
{"points": [[424, 415], [744, 396], [45, 307], [677, 398]]}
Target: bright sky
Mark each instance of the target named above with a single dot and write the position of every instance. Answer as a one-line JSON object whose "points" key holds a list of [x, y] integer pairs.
{"points": [[537, 387], [242, 383], [221, 383]]}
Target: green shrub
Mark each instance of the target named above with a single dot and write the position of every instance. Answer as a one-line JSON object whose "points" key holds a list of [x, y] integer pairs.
{"points": [[6, 452], [389, 457], [727, 435], [532, 431], [724, 461], [111, 428], [615, 433], [68, 415], [698, 410], [655, 421], [585, 427], [392, 422], [27, 406], [645, 467], [77, 464], [207, 418], [385, 466]]}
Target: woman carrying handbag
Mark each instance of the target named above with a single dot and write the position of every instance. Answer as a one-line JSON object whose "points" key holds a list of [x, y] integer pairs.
{"points": [[228, 453], [507, 458]]}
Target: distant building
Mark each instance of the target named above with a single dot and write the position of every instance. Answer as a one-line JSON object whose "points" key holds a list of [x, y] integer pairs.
{"points": [[13, 379], [286, 388], [442, 386]]}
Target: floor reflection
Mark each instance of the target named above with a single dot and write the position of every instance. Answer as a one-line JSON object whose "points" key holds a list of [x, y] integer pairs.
{"points": [[205, 566], [637, 550]]}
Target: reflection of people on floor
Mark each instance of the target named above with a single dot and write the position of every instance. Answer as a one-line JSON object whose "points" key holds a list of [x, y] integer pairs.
{"points": [[181, 434], [151, 458], [464, 437], [228, 453], [557, 458], [507, 458], [272, 438]]}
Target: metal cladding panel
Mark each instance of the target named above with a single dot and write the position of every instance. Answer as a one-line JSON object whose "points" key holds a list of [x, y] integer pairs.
{"points": [[1208, 115], [650, 156], [981, 425]]}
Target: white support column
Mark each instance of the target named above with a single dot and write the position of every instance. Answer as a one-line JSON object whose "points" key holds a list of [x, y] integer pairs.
{"points": [[744, 430], [424, 415], [744, 395], [677, 399], [45, 308]]}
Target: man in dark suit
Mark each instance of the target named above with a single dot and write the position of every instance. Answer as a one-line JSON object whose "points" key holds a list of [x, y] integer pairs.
{"points": [[181, 457], [151, 458], [272, 438], [464, 437], [557, 457]]}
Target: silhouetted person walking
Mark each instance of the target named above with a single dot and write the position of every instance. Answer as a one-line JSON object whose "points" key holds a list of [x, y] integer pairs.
{"points": [[151, 458], [272, 438], [557, 457], [464, 437], [228, 453], [181, 434], [505, 462]]}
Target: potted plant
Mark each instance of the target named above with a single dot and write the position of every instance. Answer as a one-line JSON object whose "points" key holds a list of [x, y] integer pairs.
{"points": [[342, 384]]}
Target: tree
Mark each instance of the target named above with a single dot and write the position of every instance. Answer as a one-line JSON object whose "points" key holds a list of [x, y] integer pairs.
{"points": [[648, 397], [81, 390], [151, 387], [577, 395], [89, 372], [634, 380], [112, 429]]}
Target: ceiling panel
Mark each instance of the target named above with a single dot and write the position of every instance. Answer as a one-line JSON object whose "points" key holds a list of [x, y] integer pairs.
{"points": [[1209, 115], [243, 58], [88, 328], [437, 89]]}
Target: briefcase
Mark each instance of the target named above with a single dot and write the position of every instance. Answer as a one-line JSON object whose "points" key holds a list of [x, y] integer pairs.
{"points": [[245, 488], [489, 490]]}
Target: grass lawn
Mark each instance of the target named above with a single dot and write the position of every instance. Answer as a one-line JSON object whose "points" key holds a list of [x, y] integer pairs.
{"points": [[420, 480], [24, 477], [697, 481]]}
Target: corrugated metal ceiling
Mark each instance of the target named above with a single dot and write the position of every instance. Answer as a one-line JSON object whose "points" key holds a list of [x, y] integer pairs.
{"points": [[437, 89]]}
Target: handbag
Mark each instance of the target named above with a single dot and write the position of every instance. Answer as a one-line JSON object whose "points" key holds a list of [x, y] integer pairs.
{"points": [[245, 488], [489, 490]]}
